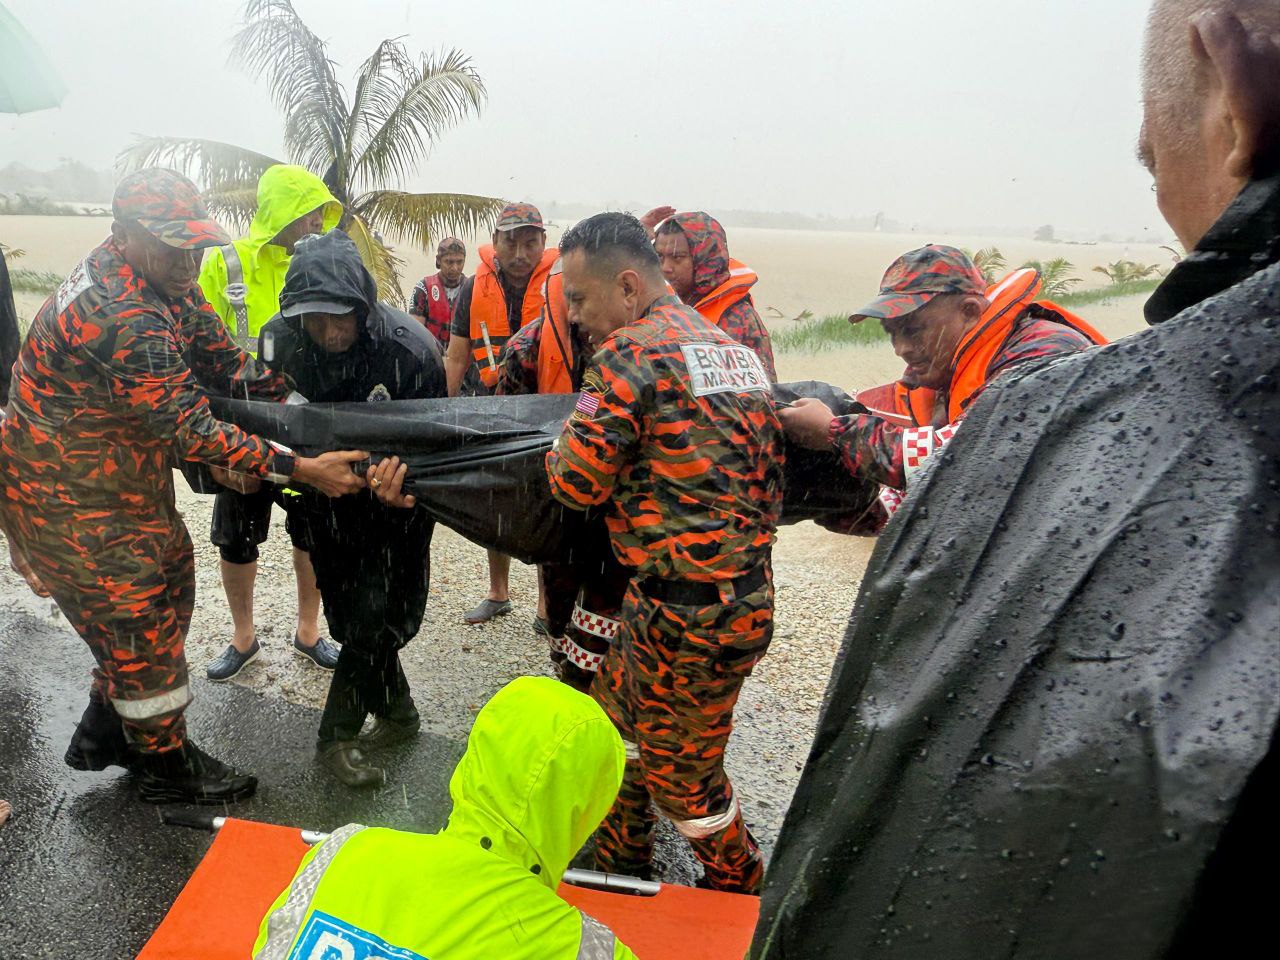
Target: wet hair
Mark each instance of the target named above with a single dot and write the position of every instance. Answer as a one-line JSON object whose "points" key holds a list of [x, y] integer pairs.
{"points": [[612, 241], [668, 227]]}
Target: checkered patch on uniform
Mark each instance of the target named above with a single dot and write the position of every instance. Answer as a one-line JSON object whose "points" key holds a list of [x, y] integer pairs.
{"points": [[605, 628], [917, 444]]}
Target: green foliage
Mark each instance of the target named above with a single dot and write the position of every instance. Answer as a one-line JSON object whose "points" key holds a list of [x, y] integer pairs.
{"points": [[360, 146], [1126, 271], [19, 204], [1129, 288], [33, 281], [1055, 276], [991, 263], [831, 331]]}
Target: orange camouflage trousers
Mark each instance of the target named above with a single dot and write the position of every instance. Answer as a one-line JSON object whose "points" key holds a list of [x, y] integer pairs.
{"points": [[670, 683], [126, 583]]}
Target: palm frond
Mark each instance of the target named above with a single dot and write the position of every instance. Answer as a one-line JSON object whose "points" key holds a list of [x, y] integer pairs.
{"points": [[275, 43], [378, 258], [207, 162], [233, 203], [422, 218], [420, 102]]}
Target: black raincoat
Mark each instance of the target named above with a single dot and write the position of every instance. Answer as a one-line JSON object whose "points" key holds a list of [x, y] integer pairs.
{"points": [[369, 559], [1051, 727]]}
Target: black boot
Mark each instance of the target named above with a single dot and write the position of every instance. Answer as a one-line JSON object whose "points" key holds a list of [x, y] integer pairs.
{"points": [[189, 775], [343, 759], [400, 723], [99, 741]]}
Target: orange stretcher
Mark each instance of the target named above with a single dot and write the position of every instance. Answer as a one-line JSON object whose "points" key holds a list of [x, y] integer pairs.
{"points": [[216, 915]]}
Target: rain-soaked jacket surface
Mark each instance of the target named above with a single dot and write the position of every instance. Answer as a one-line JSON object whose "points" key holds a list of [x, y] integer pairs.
{"points": [[285, 193], [542, 767], [1046, 729]]}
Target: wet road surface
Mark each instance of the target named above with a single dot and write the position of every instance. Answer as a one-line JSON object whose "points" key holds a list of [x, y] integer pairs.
{"points": [[88, 871]]}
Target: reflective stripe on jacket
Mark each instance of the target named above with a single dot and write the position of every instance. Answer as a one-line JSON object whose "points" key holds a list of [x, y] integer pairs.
{"points": [[285, 193], [490, 330]]}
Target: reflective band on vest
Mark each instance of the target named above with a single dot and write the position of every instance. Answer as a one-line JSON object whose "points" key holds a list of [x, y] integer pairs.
{"points": [[597, 941], [236, 292], [578, 655], [593, 623], [631, 750], [283, 925], [704, 827], [156, 706]]}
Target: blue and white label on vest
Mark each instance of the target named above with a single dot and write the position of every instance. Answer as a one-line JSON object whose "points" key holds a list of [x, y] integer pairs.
{"points": [[328, 938], [723, 368]]}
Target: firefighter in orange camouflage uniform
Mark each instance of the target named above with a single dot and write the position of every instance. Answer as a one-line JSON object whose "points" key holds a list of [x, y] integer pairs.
{"points": [[676, 429], [108, 396]]}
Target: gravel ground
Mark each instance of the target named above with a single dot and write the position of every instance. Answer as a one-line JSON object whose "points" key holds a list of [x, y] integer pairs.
{"points": [[454, 668]]}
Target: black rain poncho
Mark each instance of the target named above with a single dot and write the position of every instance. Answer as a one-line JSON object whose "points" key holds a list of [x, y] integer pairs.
{"points": [[1046, 729]]}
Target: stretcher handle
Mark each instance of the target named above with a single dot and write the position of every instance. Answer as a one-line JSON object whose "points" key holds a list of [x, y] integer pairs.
{"points": [[591, 879], [612, 882]]}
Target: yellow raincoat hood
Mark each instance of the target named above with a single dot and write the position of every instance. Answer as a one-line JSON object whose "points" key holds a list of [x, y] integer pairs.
{"points": [[542, 767], [285, 193]]}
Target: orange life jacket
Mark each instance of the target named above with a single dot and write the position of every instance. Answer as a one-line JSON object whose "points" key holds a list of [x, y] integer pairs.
{"points": [[971, 365], [489, 328], [741, 279], [555, 348]]}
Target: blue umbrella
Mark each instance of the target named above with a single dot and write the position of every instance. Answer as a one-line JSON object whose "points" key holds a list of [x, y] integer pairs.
{"points": [[28, 81]]}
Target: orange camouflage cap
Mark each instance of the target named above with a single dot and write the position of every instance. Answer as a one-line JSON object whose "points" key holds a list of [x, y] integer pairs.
{"points": [[517, 215], [169, 207], [450, 245], [917, 277]]}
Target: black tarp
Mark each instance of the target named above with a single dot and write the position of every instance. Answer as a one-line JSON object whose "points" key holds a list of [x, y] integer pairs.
{"points": [[476, 463], [1046, 729]]}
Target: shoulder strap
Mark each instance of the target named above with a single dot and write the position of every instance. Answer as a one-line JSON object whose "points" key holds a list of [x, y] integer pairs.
{"points": [[237, 291]]}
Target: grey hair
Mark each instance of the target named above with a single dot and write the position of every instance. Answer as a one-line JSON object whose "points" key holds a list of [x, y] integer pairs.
{"points": [[1171, 86]]}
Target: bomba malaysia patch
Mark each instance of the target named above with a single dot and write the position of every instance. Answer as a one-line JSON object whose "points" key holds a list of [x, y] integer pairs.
{"points": [[723, 368]]}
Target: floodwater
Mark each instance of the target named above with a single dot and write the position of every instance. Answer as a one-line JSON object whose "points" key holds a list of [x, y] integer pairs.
{"points": [[800, 270]]}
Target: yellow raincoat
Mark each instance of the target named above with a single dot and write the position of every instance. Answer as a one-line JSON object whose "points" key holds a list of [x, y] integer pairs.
{"points": [[285, 193], [542, 767]]}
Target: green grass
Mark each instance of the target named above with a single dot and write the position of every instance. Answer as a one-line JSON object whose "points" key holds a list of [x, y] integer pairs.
{"points": [[1079, 298], [34, 281], [835, 330], [812, 336]]}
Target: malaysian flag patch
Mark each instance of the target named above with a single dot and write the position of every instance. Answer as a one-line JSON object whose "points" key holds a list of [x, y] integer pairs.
{"points": [[587, 405]]}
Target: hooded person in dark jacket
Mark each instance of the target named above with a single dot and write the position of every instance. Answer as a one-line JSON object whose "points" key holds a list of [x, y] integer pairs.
{"points": [[1052, 727], [339, 344]]}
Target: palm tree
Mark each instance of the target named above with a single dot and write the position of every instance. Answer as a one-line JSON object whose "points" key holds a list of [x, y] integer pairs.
{"points": [[1055, 278], [1127, 271], [989, 261], [360, 147]]}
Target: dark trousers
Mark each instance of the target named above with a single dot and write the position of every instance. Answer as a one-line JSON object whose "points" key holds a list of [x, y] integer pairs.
{"points": [[363, 684], [372, 568]]}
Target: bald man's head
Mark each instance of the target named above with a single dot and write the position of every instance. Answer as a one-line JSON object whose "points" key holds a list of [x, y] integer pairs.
{"points": [[1211, 90]]}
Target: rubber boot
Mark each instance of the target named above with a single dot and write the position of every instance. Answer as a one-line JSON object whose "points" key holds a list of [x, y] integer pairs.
{"points": [[189, 775], [343, 759], [99, 741]]}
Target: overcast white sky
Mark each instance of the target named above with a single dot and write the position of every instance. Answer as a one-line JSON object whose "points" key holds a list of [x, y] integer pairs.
{"points": [[992, 112]]}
